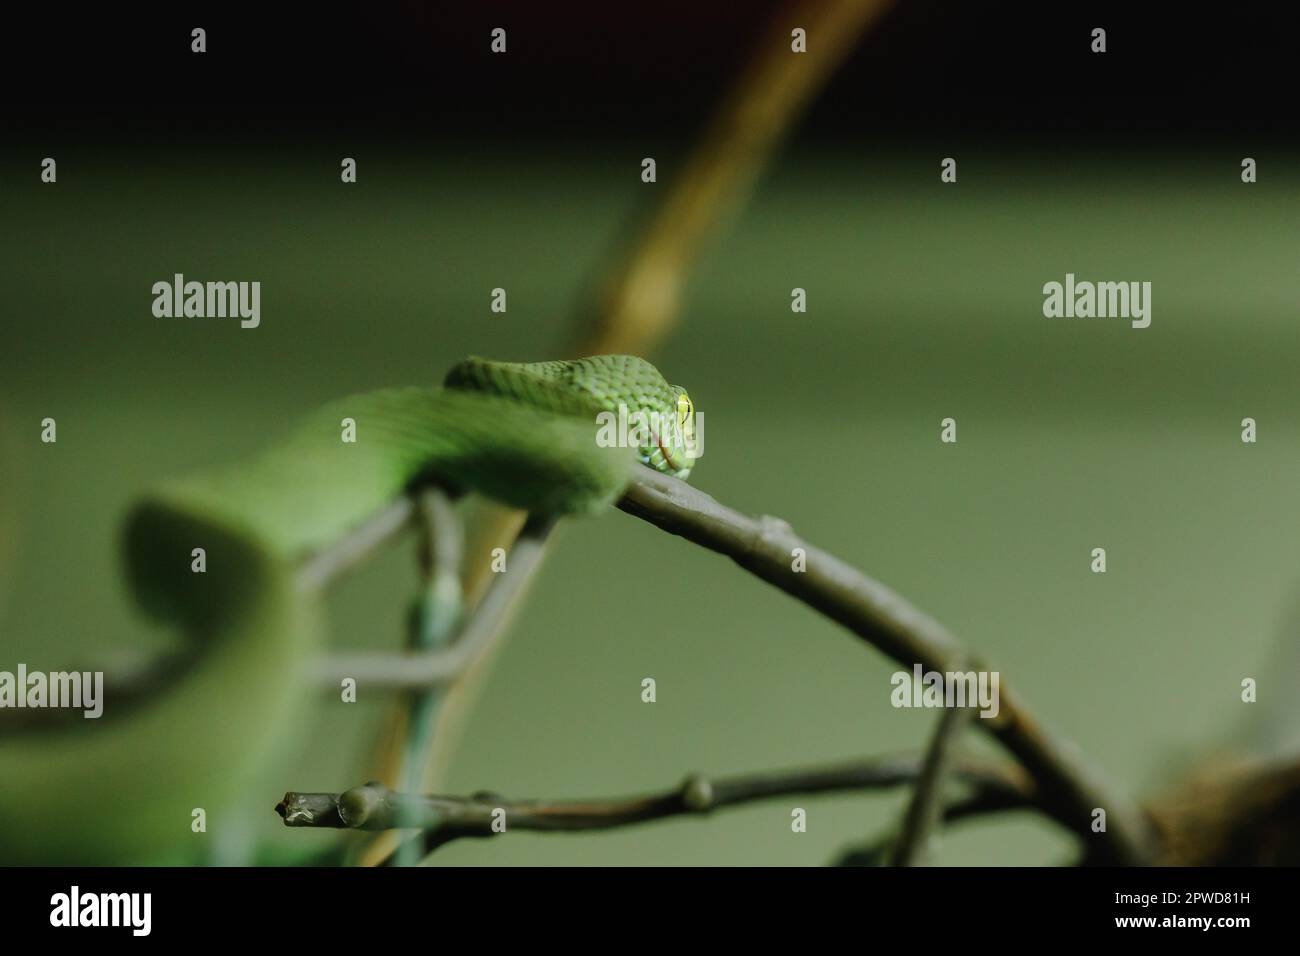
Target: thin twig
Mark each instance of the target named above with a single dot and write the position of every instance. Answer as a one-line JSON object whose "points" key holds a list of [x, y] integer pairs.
{"points": [[996, 786], [926, 806], [435, 617], [767, 547], [479, 636], [414, 671], [357, 546]]}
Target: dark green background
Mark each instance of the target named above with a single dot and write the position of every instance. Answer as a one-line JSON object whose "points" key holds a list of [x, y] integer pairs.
{"points": [[924, 302]]}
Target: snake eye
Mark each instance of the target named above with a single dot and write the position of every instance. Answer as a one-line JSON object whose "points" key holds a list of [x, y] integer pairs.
{"points": [[685, 409]]}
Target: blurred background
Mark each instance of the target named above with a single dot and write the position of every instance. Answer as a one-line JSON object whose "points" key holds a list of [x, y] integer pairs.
{"points": [[924, 301]]}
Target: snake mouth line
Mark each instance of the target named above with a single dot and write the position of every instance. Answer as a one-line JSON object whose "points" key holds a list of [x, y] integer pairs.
{"points": [[674, 462], [668, 456]]}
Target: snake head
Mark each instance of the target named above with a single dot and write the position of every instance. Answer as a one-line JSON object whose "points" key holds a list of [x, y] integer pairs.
{"points": [[673, 446]]}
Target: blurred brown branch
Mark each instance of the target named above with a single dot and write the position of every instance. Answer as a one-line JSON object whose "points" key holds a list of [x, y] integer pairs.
{"points": [[640, 297], [1232, 813]]}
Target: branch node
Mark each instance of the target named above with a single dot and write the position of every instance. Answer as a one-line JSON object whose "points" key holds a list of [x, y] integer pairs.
{"points": [[697, 793], [358, 805]]}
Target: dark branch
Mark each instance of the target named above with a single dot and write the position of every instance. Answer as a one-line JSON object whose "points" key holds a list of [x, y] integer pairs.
{"points": [[766, 547], [995, 787]]}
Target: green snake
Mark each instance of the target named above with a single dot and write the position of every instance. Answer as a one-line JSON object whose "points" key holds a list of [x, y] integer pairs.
{"points": [[121, 788]]}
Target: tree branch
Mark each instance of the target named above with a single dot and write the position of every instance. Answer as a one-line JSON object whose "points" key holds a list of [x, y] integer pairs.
{"points": [[926, 807], [373, 806], [766, 547]]}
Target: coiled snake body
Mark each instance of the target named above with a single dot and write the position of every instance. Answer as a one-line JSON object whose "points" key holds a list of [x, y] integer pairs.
{"points": [[122, 788]]}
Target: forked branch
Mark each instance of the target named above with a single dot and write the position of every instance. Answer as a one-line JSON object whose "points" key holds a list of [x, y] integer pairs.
{"points": [[767, 547]]}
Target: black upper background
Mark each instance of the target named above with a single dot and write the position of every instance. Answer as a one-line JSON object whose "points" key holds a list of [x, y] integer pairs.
{"points": [[589, 72]]}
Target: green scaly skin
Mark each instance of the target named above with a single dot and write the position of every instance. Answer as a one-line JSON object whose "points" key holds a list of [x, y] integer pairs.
{"points": [[121, 788]]}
